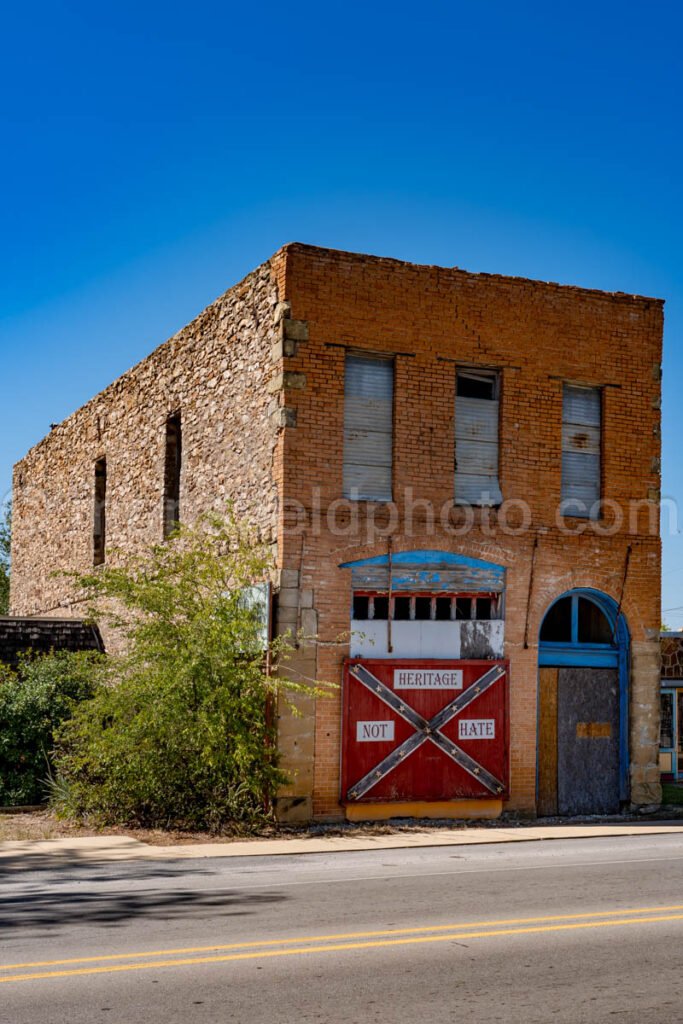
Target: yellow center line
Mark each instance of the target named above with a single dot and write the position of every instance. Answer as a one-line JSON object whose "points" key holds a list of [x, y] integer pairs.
{"points": [[454, 936], [343, 936]]}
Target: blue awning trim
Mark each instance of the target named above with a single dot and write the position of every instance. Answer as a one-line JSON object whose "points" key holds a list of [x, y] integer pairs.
{"points": [[426, 570]]}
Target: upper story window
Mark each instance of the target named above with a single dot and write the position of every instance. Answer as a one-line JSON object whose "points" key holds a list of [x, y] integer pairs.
{"points": [[172, 467], [368, 427], [100, 512], [476, 438], [581, 435]]}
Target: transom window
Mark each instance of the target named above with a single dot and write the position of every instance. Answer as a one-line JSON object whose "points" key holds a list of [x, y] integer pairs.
{"points": [[426, 607], [576, 620]]}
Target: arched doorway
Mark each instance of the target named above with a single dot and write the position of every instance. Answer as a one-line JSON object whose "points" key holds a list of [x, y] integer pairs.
{"points": [[583, 706]]}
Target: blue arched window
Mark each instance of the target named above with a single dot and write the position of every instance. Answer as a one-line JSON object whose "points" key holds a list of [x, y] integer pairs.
{"points": [[586, 628], [582, 622], [579, 621]]}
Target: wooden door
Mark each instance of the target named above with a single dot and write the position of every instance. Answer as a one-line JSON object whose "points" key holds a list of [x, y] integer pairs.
{"points": [[578, 742], [587, 741]]}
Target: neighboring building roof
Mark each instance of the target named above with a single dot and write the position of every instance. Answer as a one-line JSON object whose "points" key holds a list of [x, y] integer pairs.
{"points": [[672, 655], [44, 635]]}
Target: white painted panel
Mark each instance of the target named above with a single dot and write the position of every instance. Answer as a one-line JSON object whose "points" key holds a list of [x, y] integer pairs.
{"points": [[421, 639], [375, 732], [476, 729], [428, 679], [417, 639], [368, 639], [482, 639], [498, 637]]}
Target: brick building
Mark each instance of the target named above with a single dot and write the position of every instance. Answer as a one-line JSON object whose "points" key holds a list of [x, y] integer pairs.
{"points": [[671, 724], [459, 474]]}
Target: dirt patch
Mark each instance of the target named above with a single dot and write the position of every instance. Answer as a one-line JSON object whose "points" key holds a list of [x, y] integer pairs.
{"points": [[43, 824]]}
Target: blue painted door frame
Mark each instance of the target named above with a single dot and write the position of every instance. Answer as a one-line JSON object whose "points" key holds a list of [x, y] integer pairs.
{"points": [[614, 655]]}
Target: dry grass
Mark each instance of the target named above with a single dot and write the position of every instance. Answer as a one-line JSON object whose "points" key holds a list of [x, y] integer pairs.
{"points": [[43, 824]]}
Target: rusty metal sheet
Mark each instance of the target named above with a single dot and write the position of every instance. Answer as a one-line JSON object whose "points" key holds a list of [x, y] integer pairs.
{"points": [[593, 730]]}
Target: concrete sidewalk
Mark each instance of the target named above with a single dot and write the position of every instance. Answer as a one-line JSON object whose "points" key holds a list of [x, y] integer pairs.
{"points": [[110, 848]]}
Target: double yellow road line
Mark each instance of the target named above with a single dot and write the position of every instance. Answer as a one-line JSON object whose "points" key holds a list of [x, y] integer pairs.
{"points": [[260, 949]]}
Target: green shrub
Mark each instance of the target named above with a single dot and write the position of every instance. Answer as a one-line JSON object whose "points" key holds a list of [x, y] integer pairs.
{"points": [[183, 738], [34, 701]]}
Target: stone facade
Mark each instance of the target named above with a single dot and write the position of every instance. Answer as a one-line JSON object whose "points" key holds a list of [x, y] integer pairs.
{"points": [[218, 371], [260, 380]]}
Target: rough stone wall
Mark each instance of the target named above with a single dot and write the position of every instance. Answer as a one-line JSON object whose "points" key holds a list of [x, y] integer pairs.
{"points": [[217, 371], [672, 656], [537, 335]]}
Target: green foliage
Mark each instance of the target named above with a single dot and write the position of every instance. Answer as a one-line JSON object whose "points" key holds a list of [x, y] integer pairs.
{"points": [[672, 793], [184, 738], [34, 701], [5, 551]]}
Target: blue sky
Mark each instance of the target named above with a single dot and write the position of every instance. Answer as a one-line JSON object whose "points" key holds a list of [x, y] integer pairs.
{"points": [[153, 153]]}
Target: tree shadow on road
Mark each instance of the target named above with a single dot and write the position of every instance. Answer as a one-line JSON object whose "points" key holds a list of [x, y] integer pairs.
{"points": [[56, 891], [62, 910]]}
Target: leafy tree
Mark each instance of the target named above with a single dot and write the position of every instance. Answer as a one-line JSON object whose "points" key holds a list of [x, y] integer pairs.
{"points": [[5, 552], [184, 735], [34, 701]]}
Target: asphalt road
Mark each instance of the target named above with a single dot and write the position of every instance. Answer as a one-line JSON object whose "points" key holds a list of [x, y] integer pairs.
{"points": [[578, 930]]}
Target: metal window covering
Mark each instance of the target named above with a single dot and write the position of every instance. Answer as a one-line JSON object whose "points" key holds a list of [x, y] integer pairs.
{"points": [[581, 429], [476, 452], [368, 427]]}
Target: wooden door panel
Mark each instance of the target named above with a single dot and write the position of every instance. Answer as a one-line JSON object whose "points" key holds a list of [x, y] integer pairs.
{"points": [[588, 741]]}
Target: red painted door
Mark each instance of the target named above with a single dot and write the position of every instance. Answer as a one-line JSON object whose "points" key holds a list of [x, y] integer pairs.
{"points": [[424, 730]]}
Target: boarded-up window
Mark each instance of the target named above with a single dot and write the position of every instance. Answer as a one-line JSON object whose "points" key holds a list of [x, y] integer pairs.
{"points": [[368, 427], [172, 465], [100, 516], [581, 451], [476, 438]]}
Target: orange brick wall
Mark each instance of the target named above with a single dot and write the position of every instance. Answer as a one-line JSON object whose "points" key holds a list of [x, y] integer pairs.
{"points": [[538, 335]]}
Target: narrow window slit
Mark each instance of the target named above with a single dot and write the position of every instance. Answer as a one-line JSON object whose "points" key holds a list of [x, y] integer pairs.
{"points": [[100, 520], [172, 469]]}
